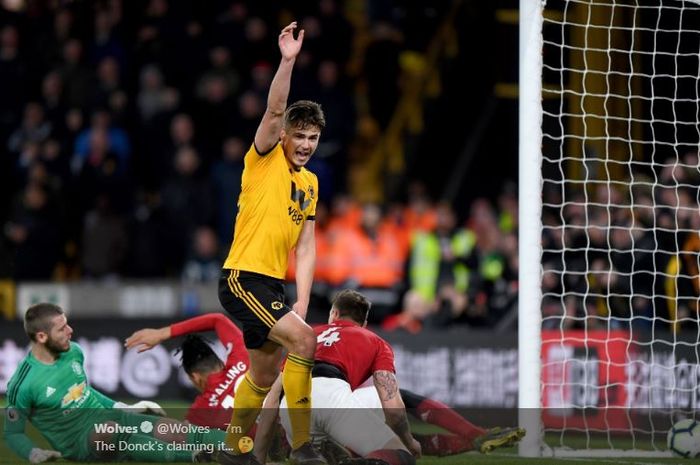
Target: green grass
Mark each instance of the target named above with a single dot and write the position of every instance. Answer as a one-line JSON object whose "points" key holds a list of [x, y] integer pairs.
{"points": [[500, 457]]}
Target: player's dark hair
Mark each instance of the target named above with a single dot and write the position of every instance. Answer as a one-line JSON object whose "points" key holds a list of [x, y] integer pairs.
{"points": [[304, 114], [38, 318], [352, 304], [198, 356]]}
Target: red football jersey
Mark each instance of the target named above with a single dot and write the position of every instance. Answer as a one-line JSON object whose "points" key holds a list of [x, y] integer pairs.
{"points": [[212, 407], [357, 351]]}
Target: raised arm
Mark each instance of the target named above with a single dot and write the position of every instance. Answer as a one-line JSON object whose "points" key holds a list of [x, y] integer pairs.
{"points": [[394, 409], [268, 132], [305, 262], [226, 331]]}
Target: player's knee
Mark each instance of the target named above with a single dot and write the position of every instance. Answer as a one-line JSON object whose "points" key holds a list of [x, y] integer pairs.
{"points": [[264, 378], [304, 343]]}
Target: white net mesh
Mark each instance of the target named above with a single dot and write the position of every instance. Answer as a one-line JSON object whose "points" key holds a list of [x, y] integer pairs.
{"points": [[621, 221]]}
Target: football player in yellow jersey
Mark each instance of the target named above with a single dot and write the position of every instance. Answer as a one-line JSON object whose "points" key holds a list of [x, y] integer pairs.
{"points": [[276, 214]]}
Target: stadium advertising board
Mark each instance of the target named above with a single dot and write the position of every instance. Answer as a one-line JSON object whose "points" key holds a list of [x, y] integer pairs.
{"points": [[461, 368], [469, 372]]}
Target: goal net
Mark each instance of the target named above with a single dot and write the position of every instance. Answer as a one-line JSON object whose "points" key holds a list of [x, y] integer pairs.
{"points": [[610, 119]]}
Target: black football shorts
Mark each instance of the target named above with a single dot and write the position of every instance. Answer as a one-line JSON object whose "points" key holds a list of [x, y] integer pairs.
{"points": [[256, 301]]}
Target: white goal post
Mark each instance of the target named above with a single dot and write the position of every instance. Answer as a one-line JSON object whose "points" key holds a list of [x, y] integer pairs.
{"points": [[609, 224]]}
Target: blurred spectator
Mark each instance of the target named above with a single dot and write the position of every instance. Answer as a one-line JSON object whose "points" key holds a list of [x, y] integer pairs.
{"points": [[34, 129], [104, 241], [220, 67], [214, 112], [148, 234], [245, 121], [204, 264], [34, 229], [101, 172], [105, 43], [366, 257], [51, 41], [339, 107], [438, 275], [508, 208], [226, 182], [257, 45], [154, 97], [187, 203], [12, 78], [77, 77], [488, 291], [116, 141], [229, 27], [420, 214], [53, 102], [108, 91]]}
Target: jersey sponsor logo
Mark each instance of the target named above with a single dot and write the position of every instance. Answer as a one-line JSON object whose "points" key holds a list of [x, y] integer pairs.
{"points": [[276, 305], [295, 215], [298, 195], [49, 391], [75, 393], [12, 414], [77, 369]]}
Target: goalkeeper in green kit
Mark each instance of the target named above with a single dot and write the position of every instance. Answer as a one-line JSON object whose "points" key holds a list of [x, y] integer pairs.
{"points": [[50, 390]]}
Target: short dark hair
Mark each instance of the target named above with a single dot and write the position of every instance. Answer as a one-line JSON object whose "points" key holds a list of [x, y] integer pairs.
{"points": [[198, 356], [352, 304], [304, 114], [38, 318]]}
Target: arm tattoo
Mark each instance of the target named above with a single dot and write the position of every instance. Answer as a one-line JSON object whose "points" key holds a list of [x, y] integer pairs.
{"points": [[386, 385]]}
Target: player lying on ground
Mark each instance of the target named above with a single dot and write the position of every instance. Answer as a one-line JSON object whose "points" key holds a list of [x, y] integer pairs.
{"points": [[216, 381], [347, 354], [50, 390]]}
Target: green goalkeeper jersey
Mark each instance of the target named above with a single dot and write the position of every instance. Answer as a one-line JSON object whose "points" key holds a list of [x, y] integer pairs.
{"points": [[57, 399]]}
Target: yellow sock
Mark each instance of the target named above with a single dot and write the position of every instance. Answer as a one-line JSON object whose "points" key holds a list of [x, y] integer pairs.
{"points": [[296, 379], [249, 401]]}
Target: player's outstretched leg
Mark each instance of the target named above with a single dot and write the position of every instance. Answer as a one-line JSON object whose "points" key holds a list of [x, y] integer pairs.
{"points": [[439, 414], [498, 437]]}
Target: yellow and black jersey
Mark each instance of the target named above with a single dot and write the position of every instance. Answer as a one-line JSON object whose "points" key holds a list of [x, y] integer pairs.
{"points": [[276, 199]]}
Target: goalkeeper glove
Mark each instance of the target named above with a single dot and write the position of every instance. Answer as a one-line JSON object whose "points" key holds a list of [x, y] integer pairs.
{"points": [[142, 406], [41, 455]]}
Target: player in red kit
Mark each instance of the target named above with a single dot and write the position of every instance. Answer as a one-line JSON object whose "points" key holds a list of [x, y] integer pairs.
{"points": [[347, 354], [215, 380]]}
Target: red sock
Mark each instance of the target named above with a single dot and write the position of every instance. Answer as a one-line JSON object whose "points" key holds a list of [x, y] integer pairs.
{"points": [[443, 444], [393, 456], [436, 413]]}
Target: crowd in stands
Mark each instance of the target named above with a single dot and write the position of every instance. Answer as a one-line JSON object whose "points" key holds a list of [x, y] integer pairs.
{"points": [[623, 255], [126, 125]]}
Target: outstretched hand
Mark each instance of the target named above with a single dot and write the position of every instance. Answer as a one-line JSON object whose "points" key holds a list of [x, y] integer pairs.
{"points": [[289, 46], [145, 339]]}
